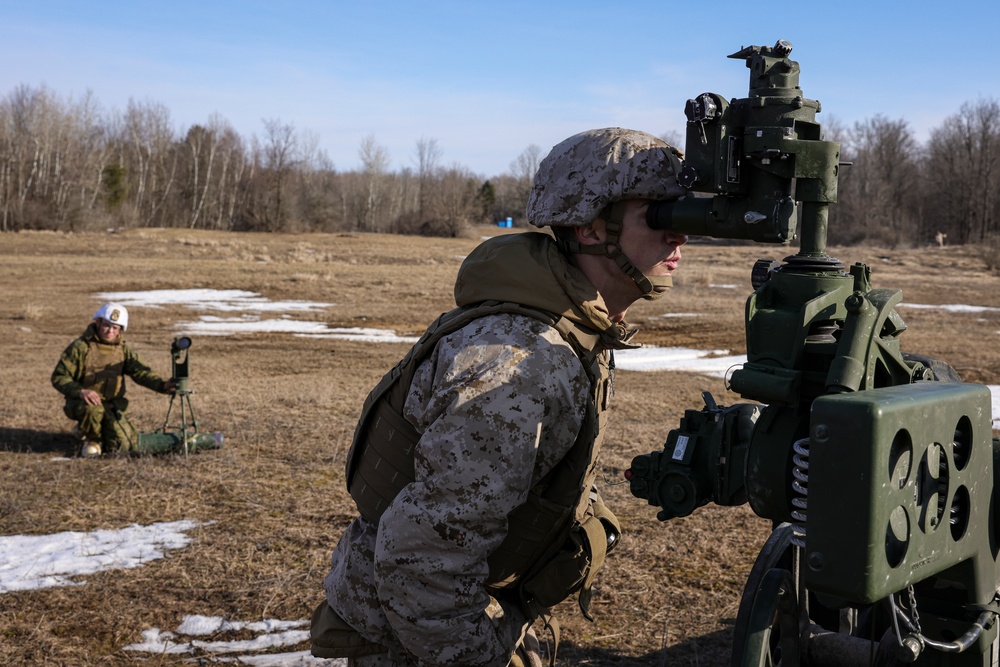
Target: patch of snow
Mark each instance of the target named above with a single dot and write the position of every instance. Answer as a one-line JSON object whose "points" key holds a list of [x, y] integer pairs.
{"points": [[715, 363], [250, 304], [211, 299], [665, 315], [952, 308], [270, 634], [29, 562]]}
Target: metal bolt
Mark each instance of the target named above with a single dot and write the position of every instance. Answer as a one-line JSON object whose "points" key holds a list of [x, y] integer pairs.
{"points": [[910, 649], [854, 302]]}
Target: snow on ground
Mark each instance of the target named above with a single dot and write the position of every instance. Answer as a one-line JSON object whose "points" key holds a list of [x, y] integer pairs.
{"points": [[269, 634], [964, 308], [995, 389], [42, 561], [669, 315], [250, 304], [211, 299], [714, 363], [30, 562], [209, 325], [953, 308]]}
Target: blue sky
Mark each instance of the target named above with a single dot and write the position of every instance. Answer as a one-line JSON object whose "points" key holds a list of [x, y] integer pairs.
{"points": [[485, 80]]}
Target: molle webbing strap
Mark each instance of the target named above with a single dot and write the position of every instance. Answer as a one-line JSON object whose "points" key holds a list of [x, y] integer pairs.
{"points": [[380, 460], [104, 369], [385, 461]]}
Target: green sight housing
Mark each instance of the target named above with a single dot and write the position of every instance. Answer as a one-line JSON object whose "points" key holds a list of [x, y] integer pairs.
{"points": [[876, 466], [179, 436], [760, 158]]}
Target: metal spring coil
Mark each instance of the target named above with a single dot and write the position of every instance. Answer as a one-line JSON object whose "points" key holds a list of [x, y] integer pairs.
{"points": [[800, 486]]}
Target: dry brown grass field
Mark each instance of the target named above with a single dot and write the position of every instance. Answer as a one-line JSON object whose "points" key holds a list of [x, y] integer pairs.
{"points": [[271, 503]]}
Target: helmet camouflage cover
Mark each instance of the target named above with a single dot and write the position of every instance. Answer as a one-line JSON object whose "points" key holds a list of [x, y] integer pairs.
{"points": [[588, 171]]}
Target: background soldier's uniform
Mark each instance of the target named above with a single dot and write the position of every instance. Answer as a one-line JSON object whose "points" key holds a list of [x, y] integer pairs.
{"points": [[90, 363], [497, 404]]}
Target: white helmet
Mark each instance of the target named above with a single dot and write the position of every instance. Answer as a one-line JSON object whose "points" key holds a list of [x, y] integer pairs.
{"points": [[114, 313]]}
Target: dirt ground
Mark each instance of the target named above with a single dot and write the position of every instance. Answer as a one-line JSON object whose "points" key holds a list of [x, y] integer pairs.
{"points": [[271, 501]]}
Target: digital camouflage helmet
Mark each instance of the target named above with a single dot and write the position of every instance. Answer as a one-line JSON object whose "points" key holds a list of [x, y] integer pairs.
{"points": [[587, 176]]}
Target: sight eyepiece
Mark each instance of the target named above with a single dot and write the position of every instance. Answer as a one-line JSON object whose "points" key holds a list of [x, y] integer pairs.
{"points": [[659, 215]]}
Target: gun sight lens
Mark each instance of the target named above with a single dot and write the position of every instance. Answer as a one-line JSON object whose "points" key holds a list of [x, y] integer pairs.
{"points": [[659, 215]]}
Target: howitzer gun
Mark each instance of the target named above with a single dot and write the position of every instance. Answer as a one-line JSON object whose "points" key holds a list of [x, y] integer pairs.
{"points": [[877, 468]]}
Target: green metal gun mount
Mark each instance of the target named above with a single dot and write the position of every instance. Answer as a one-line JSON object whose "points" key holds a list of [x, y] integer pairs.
{"points": [[878, 468]]}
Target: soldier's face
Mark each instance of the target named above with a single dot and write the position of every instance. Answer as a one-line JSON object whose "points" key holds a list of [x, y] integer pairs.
{"points": [[655, 252], [108, 330]]}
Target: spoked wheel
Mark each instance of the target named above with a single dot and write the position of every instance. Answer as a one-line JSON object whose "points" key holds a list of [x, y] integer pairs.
{"points": [[775, 554], [943, 371], [772, 633]]}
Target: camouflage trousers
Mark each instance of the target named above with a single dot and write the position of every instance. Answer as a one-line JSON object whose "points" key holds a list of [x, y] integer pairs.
{"points": [[528, 654], [105, 423]]}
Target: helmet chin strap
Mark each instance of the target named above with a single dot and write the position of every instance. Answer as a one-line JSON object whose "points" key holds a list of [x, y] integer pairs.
{"points": [[613, 215]]}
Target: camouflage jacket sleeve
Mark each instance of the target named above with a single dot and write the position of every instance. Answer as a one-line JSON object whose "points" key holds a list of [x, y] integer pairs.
{"points": [[498, 403], [140, 372], [69, 369]]}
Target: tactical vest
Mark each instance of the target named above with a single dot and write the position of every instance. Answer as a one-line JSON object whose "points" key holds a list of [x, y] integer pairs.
{"points": [[104, 369], [380, 461]]}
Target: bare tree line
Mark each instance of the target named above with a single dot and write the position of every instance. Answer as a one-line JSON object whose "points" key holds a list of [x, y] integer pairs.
{"points": [[70, 165], [899, 192]]}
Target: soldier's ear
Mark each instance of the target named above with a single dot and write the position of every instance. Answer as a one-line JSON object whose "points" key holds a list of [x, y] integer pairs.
{"points": [[593, 233]]}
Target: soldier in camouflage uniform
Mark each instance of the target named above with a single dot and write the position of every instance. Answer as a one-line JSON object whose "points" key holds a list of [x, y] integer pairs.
{"points": [[91, 375], [497, 405]]}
